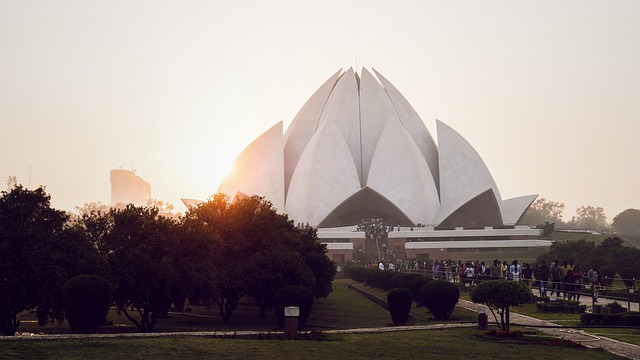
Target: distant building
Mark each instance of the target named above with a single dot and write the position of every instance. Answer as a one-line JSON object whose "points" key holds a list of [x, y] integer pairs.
{"points": [[128, 188]]}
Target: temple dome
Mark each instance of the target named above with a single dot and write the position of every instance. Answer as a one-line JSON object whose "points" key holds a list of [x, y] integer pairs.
{"points": [[358, 150]]}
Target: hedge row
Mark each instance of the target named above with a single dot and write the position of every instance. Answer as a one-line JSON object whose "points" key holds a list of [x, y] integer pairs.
{"points": [[622, 319], [381, 279], [439, 296], [572, 307]]}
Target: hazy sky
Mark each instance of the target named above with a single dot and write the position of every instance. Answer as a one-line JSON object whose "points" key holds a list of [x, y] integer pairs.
{"points": [[547, 92]]}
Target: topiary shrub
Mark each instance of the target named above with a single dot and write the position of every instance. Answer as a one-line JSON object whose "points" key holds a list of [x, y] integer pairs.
{"points": [[607, 275], [628, 276], [356, 273], [398, 280], [440, 297], [615, 308], [399, 301], [408, 278], [415, 286], [387, 280], [86, 300], [561, 306], [293, 295]]}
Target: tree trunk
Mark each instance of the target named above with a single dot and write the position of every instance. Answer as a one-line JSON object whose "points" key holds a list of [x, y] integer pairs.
{"points": [[508, 315], [9, 323]]}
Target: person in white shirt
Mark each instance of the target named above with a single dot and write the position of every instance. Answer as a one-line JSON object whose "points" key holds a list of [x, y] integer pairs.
{"points": [[514, 270]]}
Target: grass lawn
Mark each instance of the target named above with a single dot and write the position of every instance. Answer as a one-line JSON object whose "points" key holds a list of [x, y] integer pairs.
{"points": [[451, 343], [631, 336], [633, 240], [341, 310]]}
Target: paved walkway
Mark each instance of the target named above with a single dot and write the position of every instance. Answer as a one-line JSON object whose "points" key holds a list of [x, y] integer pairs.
{"points": [[613, 346]]}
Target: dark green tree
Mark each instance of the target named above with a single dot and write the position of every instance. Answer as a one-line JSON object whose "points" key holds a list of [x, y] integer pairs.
{"points": [[258, 251], [195, 257], [627, 222], [589, 217], [500, 295], [543, 211], [139, 252], [31, 277], [314, 255]]}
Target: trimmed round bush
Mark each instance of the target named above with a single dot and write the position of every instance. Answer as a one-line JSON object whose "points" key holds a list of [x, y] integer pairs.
{"points": [[415, 286], [357, 273], [293, 295], [407, 279], [440, 297], [86, 300], [399, 300], [607, 275], [387, 279], [628, 274]]}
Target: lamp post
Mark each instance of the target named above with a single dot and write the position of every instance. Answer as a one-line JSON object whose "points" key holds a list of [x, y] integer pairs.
{"points": [[376, 230]]}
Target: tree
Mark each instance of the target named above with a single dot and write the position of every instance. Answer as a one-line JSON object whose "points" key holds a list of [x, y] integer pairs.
{"points": [[627, 222], [195, 258], [140, 256], [164, 208], [30, 277], [610, 253], [543, 211], [589, 217], [314, 255], [500, 295], [258, 251]]}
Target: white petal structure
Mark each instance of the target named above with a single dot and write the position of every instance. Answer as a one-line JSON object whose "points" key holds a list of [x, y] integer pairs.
{"points": [[259, 169], [358, 150]]}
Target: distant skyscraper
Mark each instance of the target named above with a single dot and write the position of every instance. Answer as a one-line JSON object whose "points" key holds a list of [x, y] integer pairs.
{"points": [[129, 188]]}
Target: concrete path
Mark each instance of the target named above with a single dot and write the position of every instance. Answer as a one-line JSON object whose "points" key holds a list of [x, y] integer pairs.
{"points": [[613, 346]]}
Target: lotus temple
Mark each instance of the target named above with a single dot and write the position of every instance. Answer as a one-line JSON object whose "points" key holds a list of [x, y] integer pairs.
{"points": [[358, 163]]}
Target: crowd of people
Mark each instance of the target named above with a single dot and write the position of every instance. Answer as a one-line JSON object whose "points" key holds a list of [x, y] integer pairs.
{"points": [[552, 280]]}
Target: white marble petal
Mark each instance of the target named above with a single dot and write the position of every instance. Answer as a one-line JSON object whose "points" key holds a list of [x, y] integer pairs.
{"points": [[514, 208], [463, 174], [400, 173], [324, 178], [376, 111], [259, 169], [304, 125], [343, 110], [414, 125]]}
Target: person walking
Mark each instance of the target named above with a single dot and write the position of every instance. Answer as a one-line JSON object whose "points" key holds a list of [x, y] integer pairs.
{"points": [[577, 281], [556, 277], [514, 270], [494, 270], [542, 275], [594, 278], [527, 274]]}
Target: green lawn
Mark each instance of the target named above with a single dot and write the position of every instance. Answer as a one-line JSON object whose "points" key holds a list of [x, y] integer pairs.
{"points": [[633, 240], [451, 343], [567, 236], [343, 309]]}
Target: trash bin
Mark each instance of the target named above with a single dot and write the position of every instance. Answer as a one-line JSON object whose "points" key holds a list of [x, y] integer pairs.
{"points": [[482, 318], [291, 314]]}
